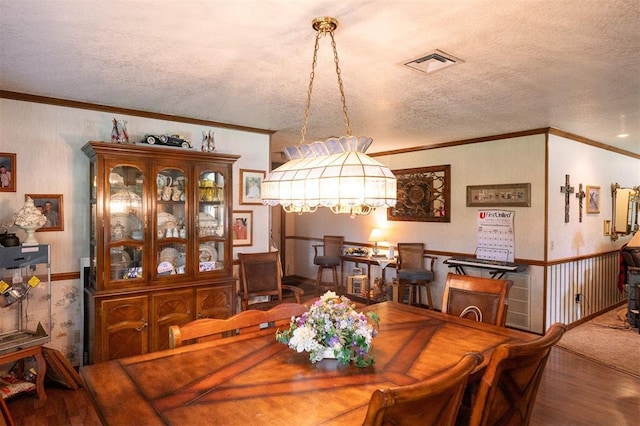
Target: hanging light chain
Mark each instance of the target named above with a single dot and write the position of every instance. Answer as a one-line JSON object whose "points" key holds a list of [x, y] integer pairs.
{"points": [[342, 97], [310, 88], [322, 29]]}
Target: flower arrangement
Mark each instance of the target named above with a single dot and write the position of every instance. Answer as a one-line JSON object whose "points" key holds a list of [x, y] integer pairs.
{"points": [[332, 328]]}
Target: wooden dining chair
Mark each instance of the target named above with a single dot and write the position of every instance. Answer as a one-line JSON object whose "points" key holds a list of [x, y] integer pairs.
{"points": [[331, 248], [411, 271], [482, 299], [241, 323], [507, 391], [434, 401], [260, 276]]}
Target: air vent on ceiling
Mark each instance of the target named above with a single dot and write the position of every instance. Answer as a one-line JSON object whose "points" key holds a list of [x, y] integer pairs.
{"points": [[433, 62]]}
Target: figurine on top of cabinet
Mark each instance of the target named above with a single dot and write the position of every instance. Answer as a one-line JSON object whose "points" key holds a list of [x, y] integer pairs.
{"points": [[208, 143], [119, 132]]}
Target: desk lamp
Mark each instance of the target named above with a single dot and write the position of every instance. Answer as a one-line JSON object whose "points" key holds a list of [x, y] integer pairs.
{"points": [[376, 237]]}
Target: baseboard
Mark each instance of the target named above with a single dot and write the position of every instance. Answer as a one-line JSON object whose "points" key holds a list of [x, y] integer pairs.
{"points": [[596, 314]]}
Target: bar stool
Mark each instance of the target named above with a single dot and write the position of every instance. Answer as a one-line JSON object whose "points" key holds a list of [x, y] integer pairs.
{"points": [[330, 259], [411, 272]]}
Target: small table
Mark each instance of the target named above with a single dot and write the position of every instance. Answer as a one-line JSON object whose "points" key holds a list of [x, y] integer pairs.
{"points": [[36, 352], [252, 379]]}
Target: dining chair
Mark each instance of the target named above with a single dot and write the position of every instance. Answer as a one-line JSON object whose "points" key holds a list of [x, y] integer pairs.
{"points": [[507, 391], [485, 299], [244, 322], [434, 401], [410, 271], [261, 276], [329, 259]]}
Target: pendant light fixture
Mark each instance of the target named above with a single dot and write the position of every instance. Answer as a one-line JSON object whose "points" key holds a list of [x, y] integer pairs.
{"points": [[335, 173]]}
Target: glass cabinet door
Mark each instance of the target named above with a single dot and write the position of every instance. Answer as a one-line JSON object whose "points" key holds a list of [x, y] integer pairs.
{"points": [[124, 223], [172, 210], [212, 221]]}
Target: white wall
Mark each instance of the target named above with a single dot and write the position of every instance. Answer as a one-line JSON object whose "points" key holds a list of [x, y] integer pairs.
{"points": [[495, 162], [48, 140], [514, 160], [590, 166]]}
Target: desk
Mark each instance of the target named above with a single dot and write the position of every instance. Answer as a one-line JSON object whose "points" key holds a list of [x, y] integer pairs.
{"points": [[252, 379]]}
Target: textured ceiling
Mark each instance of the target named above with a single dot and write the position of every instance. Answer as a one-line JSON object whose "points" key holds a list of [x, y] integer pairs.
{"points": [[570, 64]]}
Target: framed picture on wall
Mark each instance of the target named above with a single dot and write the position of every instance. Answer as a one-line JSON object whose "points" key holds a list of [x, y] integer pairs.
{"points": [[593, 199], [423, 195], [505, 195], [242, 228], [7, 172], [51, 207], [250, 186]]}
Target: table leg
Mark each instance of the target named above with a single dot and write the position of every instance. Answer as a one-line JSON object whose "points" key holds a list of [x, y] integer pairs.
{"points": [[42, 371]]}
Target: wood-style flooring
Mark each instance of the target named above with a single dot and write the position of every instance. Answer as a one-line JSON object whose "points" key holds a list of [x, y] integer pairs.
{"points": [[574, 391]]}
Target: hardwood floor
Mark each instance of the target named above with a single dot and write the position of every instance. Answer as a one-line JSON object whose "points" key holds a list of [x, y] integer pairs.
{"points": [[574, 391], [577, 391]]}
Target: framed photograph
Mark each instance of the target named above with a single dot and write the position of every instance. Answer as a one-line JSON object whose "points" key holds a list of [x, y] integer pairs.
{"points": [[51, 207], [423, 195], [242, 228], [7, 172], [251, 186], [593, 199], [507, 195]]}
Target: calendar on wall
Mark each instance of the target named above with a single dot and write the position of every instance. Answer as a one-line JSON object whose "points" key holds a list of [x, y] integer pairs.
{"points": [[496, 237]]}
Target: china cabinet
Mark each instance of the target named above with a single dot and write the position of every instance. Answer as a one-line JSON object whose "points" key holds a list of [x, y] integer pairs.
{"points": [[160, 250]]}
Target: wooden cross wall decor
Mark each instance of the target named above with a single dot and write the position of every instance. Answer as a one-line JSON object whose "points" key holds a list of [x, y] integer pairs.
{"points": [[580, 196], [567, 190]]}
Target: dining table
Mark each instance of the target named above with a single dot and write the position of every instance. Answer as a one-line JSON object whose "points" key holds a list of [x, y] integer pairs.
{"points": [[251, 379]]}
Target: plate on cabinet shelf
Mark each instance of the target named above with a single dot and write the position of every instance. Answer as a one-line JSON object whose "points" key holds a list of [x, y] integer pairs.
{"points": [[208, 253], [169, 255], [165, 268]]}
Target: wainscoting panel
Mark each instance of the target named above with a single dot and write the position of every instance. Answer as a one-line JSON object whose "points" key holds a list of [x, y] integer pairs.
{"points": [[581, 287]]}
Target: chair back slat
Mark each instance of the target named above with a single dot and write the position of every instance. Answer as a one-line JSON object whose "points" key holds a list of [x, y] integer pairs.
{"points": [[410, 255], [434, 401], [249, 321], [261, 275], [489, 296], [332, 245], [261, 272]]}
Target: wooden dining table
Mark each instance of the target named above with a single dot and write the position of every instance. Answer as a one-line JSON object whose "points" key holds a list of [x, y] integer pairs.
{"points": [[251, 379]]}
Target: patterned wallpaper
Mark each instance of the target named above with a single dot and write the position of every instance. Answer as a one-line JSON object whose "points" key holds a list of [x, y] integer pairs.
{"points": [[66, 315]]}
